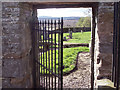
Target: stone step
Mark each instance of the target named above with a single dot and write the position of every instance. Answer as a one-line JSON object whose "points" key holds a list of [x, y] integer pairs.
{"points": [[105, 84]]}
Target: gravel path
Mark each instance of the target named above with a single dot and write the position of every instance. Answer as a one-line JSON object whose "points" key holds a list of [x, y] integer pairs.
{"points": [[81, 77]]}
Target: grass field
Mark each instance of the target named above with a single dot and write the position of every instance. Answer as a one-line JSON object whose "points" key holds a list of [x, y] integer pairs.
{"points": [[69, 57], [78, 37]]}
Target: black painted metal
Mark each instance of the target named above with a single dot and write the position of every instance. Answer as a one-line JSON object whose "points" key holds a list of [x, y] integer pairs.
{"points": [[61, 52], [49, 53], [116, 46]]}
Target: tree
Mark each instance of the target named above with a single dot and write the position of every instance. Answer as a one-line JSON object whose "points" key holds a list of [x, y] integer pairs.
{"points": [[84, 22]]}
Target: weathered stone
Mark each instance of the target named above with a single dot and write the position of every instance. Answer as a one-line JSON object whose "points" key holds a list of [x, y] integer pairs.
{"points": [[104, 40], [6, 83], [17, 43], [106, 48], [17, 66], [20, 81], [11, 68]]}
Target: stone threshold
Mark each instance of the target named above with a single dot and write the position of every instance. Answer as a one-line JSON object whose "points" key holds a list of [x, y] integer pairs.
{"points": [[105, 84]]}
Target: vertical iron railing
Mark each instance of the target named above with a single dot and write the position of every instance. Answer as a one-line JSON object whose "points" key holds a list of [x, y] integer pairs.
{"points": [[61, 53], [116, 46], [48, 43]]}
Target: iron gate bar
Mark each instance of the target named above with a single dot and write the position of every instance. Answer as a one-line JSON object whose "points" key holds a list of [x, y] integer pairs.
{"points": [[45, 32], [38, 56], [43, 52], [52, 51], [46, 68], [58, 53], [49, 54], [61, 53], [55, 53], [40, 48], [50, 31], [46, 50]]}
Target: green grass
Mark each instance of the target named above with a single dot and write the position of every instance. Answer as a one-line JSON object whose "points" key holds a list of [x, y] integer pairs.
{"points": [[79, 37], [69, 57], [69, 54]]}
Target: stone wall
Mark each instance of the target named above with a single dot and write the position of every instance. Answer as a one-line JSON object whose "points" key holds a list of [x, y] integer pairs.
{"points": [[104, 40], [17, 60], [17, 63]]}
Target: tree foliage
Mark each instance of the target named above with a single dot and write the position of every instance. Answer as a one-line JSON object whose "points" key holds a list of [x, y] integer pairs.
{"points": [[84, 22]]}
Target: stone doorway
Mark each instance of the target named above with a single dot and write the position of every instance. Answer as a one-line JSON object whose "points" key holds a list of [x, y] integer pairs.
{"points": [[88, 66], [17, 61]]}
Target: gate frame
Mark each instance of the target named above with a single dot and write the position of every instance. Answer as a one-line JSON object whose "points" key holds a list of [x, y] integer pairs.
{"points": [[93, 5]]}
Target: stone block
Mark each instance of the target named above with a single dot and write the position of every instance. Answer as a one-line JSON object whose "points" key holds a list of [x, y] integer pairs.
{"points": [[106, 48], [104, 39], [11, 68], [6, 83], [16, 63], [12, 50]]}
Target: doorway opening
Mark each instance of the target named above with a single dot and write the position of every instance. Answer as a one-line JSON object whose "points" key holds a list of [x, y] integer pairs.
{"points": [[74, 40]]}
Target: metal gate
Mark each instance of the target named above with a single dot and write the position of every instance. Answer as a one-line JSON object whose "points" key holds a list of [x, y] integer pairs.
{"points": [[116, 46], [48, 52]]}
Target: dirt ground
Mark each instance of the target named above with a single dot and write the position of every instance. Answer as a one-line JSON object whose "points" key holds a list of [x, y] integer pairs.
{"points": [[81, 77]]}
